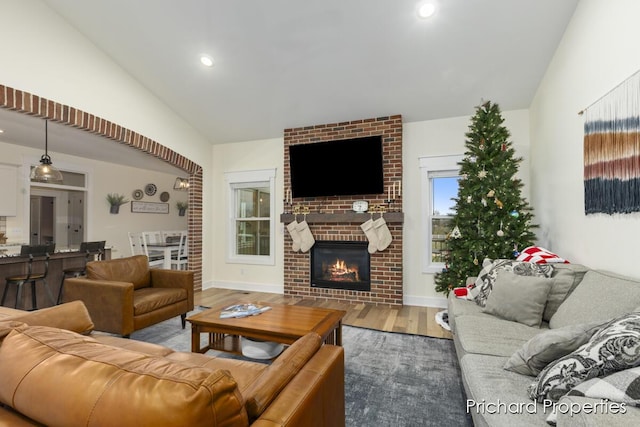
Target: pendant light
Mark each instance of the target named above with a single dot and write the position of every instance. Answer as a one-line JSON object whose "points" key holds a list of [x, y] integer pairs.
{"points": [[45, 172]]}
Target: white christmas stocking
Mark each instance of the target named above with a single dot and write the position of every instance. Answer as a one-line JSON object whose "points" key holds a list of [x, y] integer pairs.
{"points": [[371, 234], [306, 238], [295, 236], [383, 233]]}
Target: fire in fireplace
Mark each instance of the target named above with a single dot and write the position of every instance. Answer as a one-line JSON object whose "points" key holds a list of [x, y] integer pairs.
{"points": [[341, 265]]}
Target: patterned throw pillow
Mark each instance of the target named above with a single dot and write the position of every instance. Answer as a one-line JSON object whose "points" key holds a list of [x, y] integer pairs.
{"points": [[489, 272], [622, 386], [613, 348], [540, 255]]}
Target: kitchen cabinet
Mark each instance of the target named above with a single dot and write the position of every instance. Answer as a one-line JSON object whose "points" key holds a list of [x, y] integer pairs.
{"points": [[8, 190]]}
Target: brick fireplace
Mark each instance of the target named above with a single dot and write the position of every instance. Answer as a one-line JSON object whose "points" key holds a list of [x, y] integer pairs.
{"points": [[331, 218]]}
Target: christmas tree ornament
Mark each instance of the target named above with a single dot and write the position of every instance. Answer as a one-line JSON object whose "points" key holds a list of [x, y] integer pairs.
{"points": [[482, 174], [491, 193], [503, 147], [481, 146], [500, 233], [514, 213], [455, 233], [484, 202], [498, 203], [469, 199], [516, 253], [475, 261]]}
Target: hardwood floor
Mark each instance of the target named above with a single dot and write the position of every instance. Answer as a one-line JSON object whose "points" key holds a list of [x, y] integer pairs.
{"points": [[406, 319]]}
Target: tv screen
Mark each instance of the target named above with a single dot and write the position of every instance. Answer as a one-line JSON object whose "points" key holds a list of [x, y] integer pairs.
{"points": [[337, 168]]}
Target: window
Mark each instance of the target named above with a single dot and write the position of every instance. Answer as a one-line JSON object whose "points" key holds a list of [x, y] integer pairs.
{"points": [[251, 223], [439, 184]]}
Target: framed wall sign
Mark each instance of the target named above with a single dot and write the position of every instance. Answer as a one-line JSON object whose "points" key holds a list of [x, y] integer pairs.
{"points": [[149, 207]]}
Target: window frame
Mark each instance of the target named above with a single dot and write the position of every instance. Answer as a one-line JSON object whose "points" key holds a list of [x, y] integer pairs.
{"points": [[249, 179], [433, 167]]}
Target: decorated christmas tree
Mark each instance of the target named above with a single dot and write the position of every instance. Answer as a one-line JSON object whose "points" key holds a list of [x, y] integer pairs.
{"points": [[492, 219]]}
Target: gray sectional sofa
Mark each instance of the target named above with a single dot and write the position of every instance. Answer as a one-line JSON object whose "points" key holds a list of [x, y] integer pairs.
{"points": [[578, 304]]}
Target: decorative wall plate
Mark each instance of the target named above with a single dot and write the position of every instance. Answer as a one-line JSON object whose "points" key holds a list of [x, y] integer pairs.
{"points": [[150, 189], [164, 196], [137, 194]]}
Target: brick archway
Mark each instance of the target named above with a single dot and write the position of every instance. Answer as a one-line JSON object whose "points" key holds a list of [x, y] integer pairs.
{"points": [[27, 103]]}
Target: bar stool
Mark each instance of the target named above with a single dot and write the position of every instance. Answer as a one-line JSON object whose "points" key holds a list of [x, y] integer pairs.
{"points": [[95, 249], [31, 277]]}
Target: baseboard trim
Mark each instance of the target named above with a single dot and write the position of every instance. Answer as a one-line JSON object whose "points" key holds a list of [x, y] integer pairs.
{"points": [[436, 302]]}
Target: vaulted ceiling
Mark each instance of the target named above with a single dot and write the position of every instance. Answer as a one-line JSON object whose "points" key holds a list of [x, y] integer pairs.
{"points": [[288, 63]]}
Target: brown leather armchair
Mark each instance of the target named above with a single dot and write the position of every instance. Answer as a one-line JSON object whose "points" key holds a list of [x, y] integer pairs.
{"points": [[124, 295]]}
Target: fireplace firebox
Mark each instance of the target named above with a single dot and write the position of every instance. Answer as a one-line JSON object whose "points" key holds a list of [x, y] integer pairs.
{"points": [[341, 265]]}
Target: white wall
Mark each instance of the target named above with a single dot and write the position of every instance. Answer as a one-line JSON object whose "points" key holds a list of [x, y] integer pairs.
{"points": [[238, 157], [437, 138], [43, 55], [598, 51], [103, 178]]}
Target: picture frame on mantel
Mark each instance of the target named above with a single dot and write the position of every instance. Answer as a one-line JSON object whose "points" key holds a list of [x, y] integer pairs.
{"points": [[149, 207]]}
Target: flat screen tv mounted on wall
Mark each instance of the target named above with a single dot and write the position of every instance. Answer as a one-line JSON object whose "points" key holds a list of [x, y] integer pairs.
{"points": [[348, 167]]}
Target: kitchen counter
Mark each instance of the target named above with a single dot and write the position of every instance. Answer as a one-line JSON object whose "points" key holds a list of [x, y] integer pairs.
{"points": [[12, 263]]}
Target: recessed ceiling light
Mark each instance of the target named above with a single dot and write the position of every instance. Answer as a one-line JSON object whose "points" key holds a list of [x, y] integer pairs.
{"points": [[426, 10], [206, 60]]}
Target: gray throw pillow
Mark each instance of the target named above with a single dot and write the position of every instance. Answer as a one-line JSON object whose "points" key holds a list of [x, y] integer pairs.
{"points": [[615, 347], [565, 279], [487, 276], [518, 298], [599, 297], [546, 347]]}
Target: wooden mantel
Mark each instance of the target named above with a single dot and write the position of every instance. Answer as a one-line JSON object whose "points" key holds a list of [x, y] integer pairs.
{"points": [[346, 217]]}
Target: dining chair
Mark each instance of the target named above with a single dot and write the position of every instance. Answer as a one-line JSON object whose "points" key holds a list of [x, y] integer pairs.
{"points": [[135, 244], [156, 258], [153, 237], [168, 235], [180, 260], [33, 251], [93, 250]]}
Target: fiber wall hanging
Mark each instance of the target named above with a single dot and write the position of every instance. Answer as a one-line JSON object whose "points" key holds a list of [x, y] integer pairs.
{"points": [[612, 150]]}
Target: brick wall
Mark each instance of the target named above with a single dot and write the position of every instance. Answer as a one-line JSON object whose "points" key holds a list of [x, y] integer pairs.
{"points": [[386, 266]]}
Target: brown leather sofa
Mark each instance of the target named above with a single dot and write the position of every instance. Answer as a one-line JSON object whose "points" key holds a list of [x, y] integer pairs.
{"points": [[124, 294], [55, 371]]}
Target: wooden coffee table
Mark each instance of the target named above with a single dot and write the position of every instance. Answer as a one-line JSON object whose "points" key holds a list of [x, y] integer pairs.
{"points": [[283, 324]]}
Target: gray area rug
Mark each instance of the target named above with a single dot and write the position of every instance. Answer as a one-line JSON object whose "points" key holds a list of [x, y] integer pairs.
{"points": [[391, 379]]}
